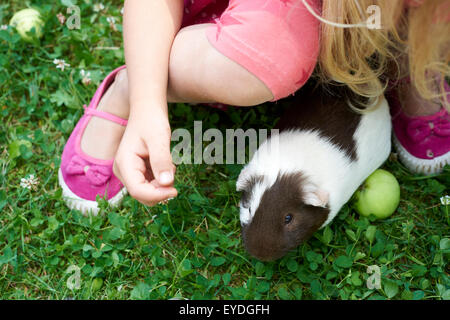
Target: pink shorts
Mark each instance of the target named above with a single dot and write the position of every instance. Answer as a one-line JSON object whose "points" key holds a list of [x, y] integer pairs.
{"points": [[276, 40]]}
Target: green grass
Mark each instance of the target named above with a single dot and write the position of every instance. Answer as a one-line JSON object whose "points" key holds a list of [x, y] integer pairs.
{"points": [[191, 247]]}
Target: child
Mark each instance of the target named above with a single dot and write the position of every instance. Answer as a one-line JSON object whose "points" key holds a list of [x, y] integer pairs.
{"points": [[419, 43], [237, 52]]}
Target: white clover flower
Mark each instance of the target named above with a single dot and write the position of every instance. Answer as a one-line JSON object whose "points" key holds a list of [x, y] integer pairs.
{"points": [[86, 77], [61, 18], [99, 7], [445, 200], [4, 27], [121, 10], [61, 64], [112, 23], [29, 183]]}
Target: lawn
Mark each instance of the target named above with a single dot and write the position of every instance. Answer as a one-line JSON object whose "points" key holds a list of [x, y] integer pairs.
{"points": [[191, 247]]}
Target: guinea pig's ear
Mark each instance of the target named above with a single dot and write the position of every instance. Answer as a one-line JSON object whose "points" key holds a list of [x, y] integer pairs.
{"points": [[315, 196]]}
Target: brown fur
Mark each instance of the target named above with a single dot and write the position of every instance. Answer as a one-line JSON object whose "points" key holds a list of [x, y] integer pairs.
{"points": [[267, 237], [330, 115]]}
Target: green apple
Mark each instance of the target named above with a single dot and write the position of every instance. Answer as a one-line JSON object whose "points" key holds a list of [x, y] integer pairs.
{"points": [[25, 20], [379, 195]]}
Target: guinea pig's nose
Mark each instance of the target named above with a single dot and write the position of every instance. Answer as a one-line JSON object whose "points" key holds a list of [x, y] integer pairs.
{"points": [[265, 258], [271, 256], [266, 255], [261, 245], [262, 251]]}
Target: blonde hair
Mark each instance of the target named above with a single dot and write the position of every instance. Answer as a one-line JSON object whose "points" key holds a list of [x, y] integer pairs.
{"points": [[428, 46], [360, 57]]}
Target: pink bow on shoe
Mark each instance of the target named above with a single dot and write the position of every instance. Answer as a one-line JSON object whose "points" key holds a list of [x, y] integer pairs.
{"points": [[97, 175], [419, 129]]}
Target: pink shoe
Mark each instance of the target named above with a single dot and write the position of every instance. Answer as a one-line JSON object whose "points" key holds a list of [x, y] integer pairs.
{"points": [[82, 177], [422, 143]]}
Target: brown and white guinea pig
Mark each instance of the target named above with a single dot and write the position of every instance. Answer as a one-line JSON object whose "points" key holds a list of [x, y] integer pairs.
{"points": [[298, 179]]}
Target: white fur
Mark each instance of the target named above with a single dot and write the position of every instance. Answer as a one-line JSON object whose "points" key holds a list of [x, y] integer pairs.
{"points": [[248, 213], [330, 171]]}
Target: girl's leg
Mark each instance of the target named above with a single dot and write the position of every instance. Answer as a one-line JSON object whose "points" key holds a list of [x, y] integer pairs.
{"points": [[198, 73], [413, 104], [420, 139], [114, 101]]}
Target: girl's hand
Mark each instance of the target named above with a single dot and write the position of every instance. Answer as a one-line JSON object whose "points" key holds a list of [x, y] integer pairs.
{"points": [[143, 161]]}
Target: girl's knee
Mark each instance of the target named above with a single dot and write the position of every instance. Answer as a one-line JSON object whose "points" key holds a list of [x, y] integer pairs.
{"points": [[122, 77]]}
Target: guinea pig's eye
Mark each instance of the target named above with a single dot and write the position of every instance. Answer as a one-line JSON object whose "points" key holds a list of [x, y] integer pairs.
{"points": [[288, 219]]}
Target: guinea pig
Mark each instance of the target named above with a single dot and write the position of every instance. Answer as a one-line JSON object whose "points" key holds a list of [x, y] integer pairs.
{"points": [[299, 178]]}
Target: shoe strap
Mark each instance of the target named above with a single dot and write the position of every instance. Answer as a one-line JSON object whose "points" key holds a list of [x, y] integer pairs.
{"points": [[105, 115]]}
